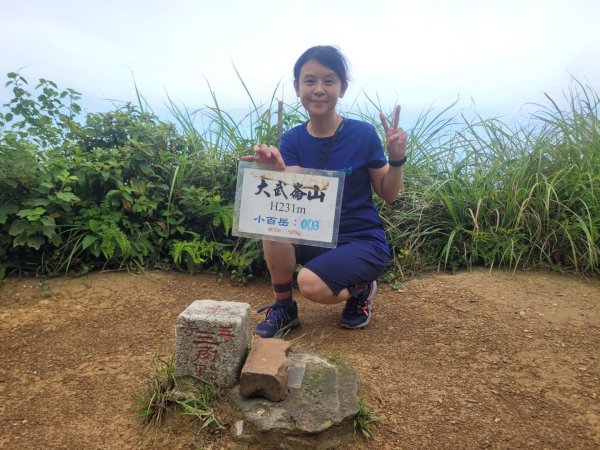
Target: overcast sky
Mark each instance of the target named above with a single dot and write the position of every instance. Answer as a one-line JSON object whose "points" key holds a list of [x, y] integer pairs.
{"points": [[497, 54]]}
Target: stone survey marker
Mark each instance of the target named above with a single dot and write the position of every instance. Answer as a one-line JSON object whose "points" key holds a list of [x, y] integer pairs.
{"points": [[212, 338]]}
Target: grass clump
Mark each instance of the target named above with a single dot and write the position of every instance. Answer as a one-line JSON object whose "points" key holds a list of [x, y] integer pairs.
{"points": [[161, 398], [155, 403], [364, 419], [336, 358]]}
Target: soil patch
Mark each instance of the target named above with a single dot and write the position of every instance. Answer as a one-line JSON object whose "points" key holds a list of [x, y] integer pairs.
{"points": [[473, 360]]}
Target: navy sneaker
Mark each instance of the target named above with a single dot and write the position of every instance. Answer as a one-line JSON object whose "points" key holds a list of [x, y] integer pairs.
{"points": [[359, 308], [280, 317]]}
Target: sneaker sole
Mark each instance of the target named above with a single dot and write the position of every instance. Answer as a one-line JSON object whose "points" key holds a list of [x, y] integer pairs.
{"points": [[365, 323]]}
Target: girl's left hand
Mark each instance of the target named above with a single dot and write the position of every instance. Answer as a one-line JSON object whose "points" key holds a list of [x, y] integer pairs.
{"points": [[395, 138], [266, 156]]}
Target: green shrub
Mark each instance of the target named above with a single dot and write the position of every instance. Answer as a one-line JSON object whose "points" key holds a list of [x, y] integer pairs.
{"points": [[120, 190]]}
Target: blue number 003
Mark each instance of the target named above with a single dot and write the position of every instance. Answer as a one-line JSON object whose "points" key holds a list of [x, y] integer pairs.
{"points": [[310, 225]]}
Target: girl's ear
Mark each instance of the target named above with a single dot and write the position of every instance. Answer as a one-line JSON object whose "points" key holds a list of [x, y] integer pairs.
{"points": [[343, 90], [297, 87]]}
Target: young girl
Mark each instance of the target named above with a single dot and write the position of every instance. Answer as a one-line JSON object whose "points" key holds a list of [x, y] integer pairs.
{"points": [[329, 141]]}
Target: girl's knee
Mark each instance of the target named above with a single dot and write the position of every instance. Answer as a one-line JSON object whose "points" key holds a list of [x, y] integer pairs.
{"points": [[310, 285]]}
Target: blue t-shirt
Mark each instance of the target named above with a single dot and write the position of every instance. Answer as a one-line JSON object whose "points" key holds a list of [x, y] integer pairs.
{"points": [[357, 148]]}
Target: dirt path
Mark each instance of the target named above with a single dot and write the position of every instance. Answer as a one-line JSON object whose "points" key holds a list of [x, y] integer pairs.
{"points": [[474, 360]]}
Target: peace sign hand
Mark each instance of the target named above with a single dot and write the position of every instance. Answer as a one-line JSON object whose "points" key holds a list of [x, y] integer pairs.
{"points": [[395, 138]]}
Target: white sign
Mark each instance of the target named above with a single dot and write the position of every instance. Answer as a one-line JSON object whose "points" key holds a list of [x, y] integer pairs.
{"points": [[301, 207]]}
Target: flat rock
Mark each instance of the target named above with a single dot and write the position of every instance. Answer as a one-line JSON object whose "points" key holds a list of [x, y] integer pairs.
{"points": [[319, 414]]}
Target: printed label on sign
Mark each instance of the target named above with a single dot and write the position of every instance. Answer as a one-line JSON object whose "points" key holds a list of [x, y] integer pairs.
{"points": [[299, 207]]}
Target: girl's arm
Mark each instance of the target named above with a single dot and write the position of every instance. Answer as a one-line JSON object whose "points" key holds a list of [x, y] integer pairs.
{"points": [[387, 181]]}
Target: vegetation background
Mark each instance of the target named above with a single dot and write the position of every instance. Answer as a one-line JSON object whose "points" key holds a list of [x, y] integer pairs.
{"points": [[124, 189]]}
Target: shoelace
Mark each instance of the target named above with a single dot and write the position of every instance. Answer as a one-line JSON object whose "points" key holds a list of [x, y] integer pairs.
{"points": [[358, 305], [363, 305], [276, 313]]}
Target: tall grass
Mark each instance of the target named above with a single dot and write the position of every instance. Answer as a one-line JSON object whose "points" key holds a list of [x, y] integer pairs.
{"points": [[481, 192], [221, 134]]}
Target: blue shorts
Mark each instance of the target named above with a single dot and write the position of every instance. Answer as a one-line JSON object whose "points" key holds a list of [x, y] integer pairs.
{"points": [[350, 263]]}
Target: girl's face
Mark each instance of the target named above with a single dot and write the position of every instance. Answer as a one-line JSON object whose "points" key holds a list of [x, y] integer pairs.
{"points": [[319, 89]]}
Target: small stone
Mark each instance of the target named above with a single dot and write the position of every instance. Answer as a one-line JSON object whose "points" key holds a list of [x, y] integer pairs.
{"points": [[13, 418], [239, 427]]}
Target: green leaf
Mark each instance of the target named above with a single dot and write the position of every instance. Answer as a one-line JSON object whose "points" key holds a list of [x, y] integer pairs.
{"points": [[127, 195], [5, 210], [48, 221], [95, 225], [138, 185], [29, 241], [18, 227], [36, 201], [35, 242], [147, 170], [88, 240], [32, 214], [49, 232], [67, 197], [46, 185], [113, 192]]}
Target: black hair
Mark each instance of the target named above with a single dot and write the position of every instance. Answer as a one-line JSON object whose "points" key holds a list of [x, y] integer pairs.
{"points": [[327, 56]]}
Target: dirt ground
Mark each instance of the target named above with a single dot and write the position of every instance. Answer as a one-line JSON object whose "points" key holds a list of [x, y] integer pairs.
{"points": [[473, 360]]}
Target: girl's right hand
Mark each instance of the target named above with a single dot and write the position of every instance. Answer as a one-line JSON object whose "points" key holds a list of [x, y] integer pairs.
{"points": [[395, 138], [266, 156]]}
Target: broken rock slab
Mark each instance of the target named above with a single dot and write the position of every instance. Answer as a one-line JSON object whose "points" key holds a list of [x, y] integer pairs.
{"points": [[318, 415], [265, 372]]}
